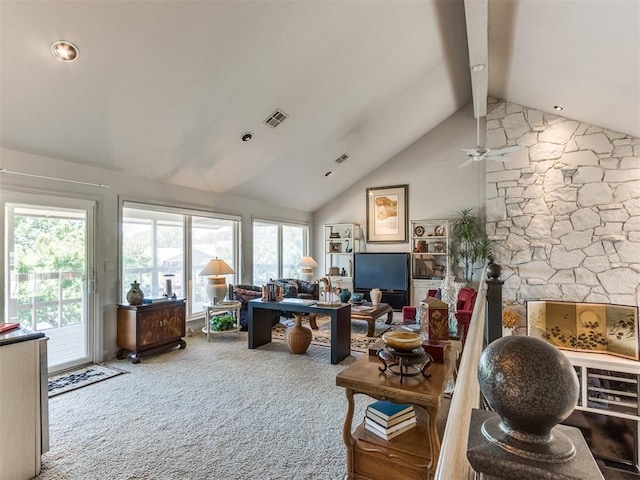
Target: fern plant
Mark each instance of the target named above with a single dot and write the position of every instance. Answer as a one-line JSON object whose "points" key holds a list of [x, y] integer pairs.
{"points": [[469, 248]]}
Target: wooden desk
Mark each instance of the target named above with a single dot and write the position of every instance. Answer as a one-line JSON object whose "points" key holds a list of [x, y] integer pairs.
{"points": [[412, 455], [260, 324]]}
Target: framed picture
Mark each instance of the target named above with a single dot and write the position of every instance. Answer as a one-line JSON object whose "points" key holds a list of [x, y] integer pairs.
{"points": [[387, 214], [335, 247]]}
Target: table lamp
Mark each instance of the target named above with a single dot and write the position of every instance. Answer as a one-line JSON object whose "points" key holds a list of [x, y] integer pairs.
{"points": [[217, 285], [307, 264]]}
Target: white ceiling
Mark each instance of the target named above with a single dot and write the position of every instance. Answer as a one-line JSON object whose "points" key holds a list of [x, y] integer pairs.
{"points": [[165, 89]]}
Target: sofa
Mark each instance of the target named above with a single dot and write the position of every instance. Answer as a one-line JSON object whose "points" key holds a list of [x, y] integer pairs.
{"points": [[296, 288], [243, 294], [291, 288]]}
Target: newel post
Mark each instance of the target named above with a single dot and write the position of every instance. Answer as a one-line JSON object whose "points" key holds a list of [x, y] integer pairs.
{"points": [[531, 387], [493, 322]]}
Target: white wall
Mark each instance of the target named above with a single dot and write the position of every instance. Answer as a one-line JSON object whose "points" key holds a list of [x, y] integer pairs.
{"points": [[437, 187], [125, 188]]}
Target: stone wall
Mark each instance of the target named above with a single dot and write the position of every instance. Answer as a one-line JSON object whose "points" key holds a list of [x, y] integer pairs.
{"points": [[565, 211]]}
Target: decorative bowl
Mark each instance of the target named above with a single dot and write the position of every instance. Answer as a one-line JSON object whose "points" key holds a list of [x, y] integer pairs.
{"points": [[357, 297], [402, 341]]}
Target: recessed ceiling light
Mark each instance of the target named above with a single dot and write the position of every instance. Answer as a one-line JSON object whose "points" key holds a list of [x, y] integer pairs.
{"points": [[247, 136], [65, 51], [559, 108]]}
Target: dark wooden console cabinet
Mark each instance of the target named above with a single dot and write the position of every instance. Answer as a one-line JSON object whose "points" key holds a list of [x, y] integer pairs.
{"points": [[147, 328]]}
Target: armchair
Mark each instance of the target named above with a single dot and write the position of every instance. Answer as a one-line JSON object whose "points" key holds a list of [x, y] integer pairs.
{"points": [[464, 309]]}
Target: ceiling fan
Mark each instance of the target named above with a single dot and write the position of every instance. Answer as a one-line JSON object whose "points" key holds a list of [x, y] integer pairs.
{"points": [[481, 152]]}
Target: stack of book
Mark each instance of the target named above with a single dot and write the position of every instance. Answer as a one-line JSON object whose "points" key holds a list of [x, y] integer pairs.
{"points": [[388, 420]]}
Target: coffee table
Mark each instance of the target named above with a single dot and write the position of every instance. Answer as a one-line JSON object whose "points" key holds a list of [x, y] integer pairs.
{"points": [[367, 311]]}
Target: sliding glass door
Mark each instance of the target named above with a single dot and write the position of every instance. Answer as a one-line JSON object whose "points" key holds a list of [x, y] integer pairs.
{"points": [[49, 273]]}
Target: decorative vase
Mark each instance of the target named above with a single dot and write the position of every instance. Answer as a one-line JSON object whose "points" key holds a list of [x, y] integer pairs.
{"points": [[297, 337], [350, 268], [376, 296], [438, 246], [135, 295], [345, 295]]}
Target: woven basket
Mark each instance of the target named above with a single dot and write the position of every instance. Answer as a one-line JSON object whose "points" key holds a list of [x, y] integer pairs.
{"points": [[297, 337]]}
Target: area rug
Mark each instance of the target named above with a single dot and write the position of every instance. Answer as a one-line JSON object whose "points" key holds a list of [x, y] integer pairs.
{"points": [[82, 377], [322, 336]]}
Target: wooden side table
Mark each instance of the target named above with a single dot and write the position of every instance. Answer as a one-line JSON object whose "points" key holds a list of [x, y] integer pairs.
{"points": [[412, 455]]}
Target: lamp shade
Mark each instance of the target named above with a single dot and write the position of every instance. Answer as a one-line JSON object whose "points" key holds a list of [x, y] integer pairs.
{"points": [[306, 264], [216, 266], [216, 286]]}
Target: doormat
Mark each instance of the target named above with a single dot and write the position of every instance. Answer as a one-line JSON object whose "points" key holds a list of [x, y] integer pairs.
{"points": [[82, 377]]}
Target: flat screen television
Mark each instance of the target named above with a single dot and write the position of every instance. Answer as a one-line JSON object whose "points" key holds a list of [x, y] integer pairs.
{"points": [[386, 271]]}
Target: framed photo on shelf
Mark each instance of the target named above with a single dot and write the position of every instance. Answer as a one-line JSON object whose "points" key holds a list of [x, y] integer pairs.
{"points": [[387, 214], [335, 247]]}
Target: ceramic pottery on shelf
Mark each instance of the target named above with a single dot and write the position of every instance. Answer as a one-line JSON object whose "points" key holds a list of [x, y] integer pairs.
{"points": [[135, 295], [376, 296]]}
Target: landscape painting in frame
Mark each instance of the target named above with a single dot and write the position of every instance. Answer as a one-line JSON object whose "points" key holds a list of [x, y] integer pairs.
{"points": [[387, 214], [592, 327]]}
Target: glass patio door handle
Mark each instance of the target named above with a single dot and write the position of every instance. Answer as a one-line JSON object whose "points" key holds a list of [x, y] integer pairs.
{"points": [[91, 286]]}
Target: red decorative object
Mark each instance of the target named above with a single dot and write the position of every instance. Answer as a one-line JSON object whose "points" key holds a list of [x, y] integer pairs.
{"points": [[408, 315], [436, 350], [438, 319]]}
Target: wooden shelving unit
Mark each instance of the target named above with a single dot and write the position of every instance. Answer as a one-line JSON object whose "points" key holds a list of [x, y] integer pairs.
{"points": [[430, 241], [341, 241]]}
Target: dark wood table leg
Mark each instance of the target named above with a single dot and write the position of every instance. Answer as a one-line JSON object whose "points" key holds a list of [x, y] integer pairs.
{"points": [[312, 321], [259, 326], [340, 335], [390, 317], [371, 327]]}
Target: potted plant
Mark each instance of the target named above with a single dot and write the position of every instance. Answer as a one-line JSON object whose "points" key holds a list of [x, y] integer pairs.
{"points": [[221, 323], [469, 248]]}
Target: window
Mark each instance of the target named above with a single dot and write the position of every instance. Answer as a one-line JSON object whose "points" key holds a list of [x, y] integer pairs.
{"points": [[277, 248], [163, 242]]}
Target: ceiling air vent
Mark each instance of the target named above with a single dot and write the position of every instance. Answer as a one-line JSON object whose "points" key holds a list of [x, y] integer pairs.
{"points": [[276, 118], [342, 158]]}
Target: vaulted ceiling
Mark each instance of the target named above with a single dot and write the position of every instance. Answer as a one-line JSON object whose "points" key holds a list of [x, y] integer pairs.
{"points": [[166, 89]]}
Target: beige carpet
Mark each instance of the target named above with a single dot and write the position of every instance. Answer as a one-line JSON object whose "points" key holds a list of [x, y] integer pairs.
{"points": [[322, 336], [213, 411]]}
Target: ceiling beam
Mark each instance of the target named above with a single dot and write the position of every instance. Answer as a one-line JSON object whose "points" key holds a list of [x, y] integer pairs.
{"points": [[477, 20]]}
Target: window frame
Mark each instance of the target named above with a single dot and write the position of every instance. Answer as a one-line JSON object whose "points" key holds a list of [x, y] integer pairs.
{"points": [[188, 213], [306, 235]]}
